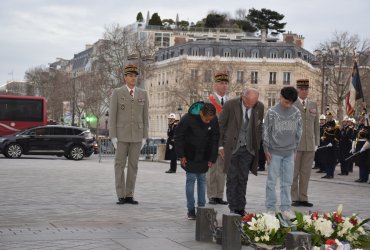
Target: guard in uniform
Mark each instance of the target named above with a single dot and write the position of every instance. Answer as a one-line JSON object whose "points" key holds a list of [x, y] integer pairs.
{"points": [[319, 157], [170, 144], [363, 159], [330, 139], [345, 145]]}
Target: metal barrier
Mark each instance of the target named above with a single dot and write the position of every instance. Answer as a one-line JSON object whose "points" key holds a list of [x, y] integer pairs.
{"points": [[106, 148], [149, 151]]}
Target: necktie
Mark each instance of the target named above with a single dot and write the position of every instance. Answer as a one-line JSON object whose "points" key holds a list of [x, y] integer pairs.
{"points": [[246, 117], [222, 101], [131, 92], [304, 105]]}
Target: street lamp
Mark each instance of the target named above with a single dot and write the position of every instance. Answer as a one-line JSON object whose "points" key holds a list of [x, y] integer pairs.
{"points": [[323, 61], [74, 99], [179, 110], [106, 120]]}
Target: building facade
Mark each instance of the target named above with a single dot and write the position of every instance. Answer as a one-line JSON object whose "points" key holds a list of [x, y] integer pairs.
{"points": [[183, 74]]}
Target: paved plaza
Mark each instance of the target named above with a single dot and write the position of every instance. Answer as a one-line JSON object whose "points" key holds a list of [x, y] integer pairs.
{"points": [[54, 203]]}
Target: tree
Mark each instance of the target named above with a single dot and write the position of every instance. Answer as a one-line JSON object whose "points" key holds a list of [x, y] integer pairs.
{"points": [[340, 51], [155, 20], [139, 17], [214, 20], [266, 20]]}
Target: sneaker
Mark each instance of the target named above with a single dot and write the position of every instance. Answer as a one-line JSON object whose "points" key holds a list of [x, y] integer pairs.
{"points": [[191, 214], [289, 214]]}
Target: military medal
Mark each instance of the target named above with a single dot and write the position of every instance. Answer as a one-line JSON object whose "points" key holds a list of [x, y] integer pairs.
{"points": [[122, 106]]}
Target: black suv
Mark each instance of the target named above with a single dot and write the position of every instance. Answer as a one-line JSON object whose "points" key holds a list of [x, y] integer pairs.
{"points": [[73, 142]]}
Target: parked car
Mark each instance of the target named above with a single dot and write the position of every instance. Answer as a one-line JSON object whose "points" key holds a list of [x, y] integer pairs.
{"points": [[150, 147], [74, 143]]}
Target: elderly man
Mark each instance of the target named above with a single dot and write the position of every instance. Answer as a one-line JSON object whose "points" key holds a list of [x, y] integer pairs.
{"points": [[240, 135]]}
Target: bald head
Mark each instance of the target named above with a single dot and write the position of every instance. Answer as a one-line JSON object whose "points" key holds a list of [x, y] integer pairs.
{"points": [[250, 97]]}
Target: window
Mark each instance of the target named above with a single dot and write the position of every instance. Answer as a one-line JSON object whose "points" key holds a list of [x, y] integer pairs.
{"points": [[274, 53], [208, 52], [286, 78], [287, 54], [272, 79], [240, 53], [255, 53], [195, 51], [208, 75], [254, 77], [194, 74], [271, 99], [227, 52], [240, 76]]}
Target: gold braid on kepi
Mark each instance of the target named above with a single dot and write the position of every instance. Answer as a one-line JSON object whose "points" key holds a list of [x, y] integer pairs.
{"points": [[221, 77], [131, 68], [303, 83]]}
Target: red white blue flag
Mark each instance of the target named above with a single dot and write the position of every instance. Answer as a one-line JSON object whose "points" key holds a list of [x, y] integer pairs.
{"points": [[355, 91]]}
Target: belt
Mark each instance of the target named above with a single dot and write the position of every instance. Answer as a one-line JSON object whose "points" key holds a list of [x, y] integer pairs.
{"points": [[243, 146]]}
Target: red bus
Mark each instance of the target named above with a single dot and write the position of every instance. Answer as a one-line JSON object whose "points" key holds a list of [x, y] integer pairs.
{"points": [[20, 112]]}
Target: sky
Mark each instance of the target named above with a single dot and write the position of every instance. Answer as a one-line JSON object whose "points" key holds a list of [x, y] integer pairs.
{"points": [[33, 33]]}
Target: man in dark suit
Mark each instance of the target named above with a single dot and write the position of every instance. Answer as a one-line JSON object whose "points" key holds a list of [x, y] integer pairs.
{"points": [[240, 136], [128, 125]]}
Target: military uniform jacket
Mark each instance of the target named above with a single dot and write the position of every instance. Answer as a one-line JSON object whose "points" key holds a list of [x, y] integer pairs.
{"points": [[128, 116], [310, 126]]}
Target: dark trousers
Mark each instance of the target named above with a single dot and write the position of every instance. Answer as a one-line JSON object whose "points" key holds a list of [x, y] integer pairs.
{"points": [[237, 178], [173, 164]]}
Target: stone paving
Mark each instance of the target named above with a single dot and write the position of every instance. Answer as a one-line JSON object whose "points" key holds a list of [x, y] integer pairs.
{"points": [[54, 203]]}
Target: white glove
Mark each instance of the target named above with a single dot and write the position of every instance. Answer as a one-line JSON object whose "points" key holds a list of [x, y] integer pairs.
{"points": [[352, 150], [365, 146], [114, 142], [143, 142], [170, 147], [329, 145], [316, 147]]}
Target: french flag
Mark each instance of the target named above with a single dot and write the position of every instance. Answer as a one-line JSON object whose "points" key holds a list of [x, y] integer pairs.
{"points": [[355, 91]]}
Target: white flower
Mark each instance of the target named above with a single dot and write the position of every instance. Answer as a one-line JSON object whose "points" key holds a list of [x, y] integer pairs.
{"points": [[324, 227]]}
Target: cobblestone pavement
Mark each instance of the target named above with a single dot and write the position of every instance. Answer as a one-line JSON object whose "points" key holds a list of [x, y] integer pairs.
{"points": [[54, 203]]}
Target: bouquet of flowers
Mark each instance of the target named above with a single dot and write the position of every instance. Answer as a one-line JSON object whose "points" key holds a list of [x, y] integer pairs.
{"points": [[333, 226], [265, 228]]}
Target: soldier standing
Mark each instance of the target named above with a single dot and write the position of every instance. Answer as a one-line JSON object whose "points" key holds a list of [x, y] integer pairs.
{"points": [[363, 159], [170, 144], [330, 139], [215, 176], [345, 144]]}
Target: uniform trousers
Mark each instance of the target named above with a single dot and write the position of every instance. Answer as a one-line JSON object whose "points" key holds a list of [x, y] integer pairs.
{"points": [[301, 176], [126, 152], [216, 180]]}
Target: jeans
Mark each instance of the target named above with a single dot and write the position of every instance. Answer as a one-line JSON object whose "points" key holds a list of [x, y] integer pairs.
{"points": [[201, 189], [280, 166]]}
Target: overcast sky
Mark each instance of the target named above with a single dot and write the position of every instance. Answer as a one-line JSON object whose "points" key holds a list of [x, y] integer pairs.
{"points": [[34, 33]]}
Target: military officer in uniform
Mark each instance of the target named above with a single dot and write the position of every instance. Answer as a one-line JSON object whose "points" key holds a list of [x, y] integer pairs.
{"points": [[318, 154], [170, 144], [215, 176], [310, 141], [128, 119], [345, 144], [330, 139], [362, 143]]}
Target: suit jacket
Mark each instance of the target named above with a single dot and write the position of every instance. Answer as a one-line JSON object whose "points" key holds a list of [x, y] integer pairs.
{"points": [[310, 126], [128, 117], [230, 122]]}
